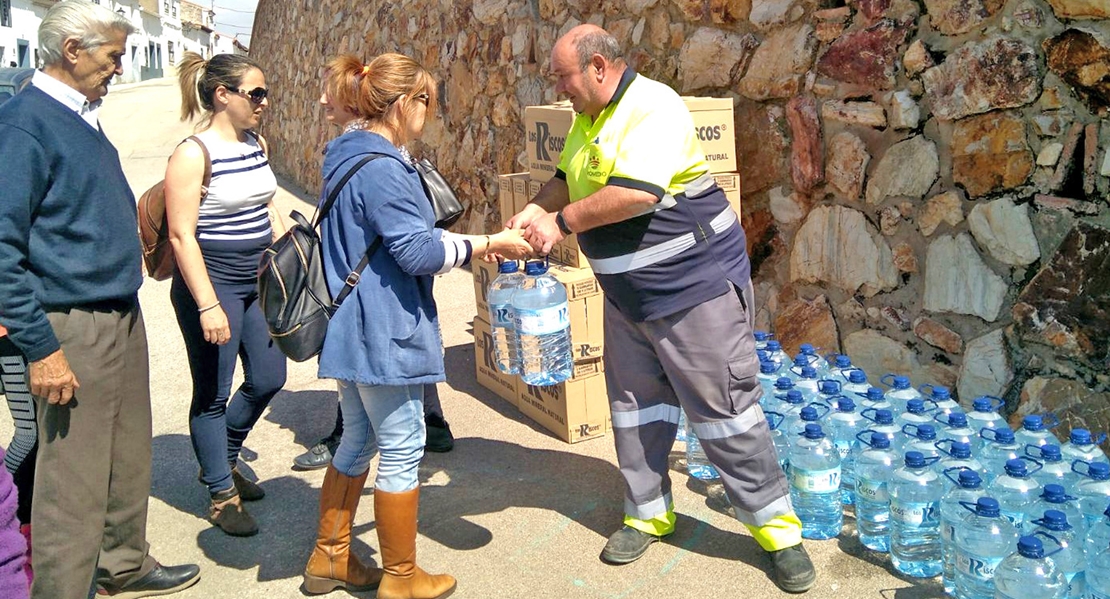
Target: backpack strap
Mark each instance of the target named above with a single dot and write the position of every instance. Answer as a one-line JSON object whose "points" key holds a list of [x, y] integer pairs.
{"points": [[207, 166], [356, 274]]}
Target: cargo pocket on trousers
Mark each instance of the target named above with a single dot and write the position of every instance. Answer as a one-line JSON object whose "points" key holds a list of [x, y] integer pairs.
{"points": [[743, 384]]}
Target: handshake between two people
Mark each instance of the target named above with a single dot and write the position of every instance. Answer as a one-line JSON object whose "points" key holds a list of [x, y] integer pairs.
{"points": [[529, 233]]}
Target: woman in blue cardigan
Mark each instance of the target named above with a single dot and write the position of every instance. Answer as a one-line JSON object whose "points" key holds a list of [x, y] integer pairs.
{"points": [[383, 343]]}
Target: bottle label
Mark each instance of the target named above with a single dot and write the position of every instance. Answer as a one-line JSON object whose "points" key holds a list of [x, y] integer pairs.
{"points": [[1015, 518], [872, 490], [843, 448], [816, 481], [501, 316], [914, 514], [543, 321], [976, 567]]}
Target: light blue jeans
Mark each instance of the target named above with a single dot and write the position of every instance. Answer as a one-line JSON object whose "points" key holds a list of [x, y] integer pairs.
{"points": [[389, 419]]}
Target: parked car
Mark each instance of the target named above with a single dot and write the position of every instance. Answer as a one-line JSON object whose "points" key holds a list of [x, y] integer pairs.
{"points": [[12, 81]]}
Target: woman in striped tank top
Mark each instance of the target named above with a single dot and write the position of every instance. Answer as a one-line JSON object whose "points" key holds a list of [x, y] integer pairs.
{"points": [[218, 239]]}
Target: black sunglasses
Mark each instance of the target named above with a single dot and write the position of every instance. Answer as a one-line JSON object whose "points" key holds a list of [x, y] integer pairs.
{"points": [[257, 95]]}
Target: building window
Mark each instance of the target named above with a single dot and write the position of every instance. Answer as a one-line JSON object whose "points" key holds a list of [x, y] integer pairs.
{"points": [[174, 11], [5, 13], [169, 49], [166, 7]]}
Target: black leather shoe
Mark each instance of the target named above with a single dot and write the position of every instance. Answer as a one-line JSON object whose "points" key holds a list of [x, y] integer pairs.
{"points": [[318, 456], [793, 570], [439, 439], [627, 545], [162, 580]]}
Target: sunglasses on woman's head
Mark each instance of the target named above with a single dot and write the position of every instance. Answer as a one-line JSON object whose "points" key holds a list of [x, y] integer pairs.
{"points": [[256, 95]]}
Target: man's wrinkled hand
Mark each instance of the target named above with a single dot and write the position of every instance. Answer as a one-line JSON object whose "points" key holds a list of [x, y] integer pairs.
{"points": [[543, 234], [52, 378]]}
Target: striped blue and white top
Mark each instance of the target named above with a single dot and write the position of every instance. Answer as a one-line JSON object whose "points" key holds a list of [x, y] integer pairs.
{"points": [[233, 228]]}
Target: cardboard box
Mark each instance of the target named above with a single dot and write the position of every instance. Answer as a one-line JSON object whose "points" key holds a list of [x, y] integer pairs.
{"points": [[506, 197], [546, 129], [575, 410], [567, 252], [484, 273], [584, 369], [485, 365], [521, 196], [730, 184]]}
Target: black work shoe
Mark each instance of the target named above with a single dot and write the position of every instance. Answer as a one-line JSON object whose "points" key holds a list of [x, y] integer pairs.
{"points": [[227, 512], [318, 456], [162, 580], [626, 545], [793, 571], [439, 439], [248, 489]]}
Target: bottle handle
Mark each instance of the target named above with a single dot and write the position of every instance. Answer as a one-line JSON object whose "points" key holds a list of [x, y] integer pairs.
{"points": [[1047, 417], [889, 375], [986, 429], [1055, 541], [995, 406], [1075, 468], [769, 414], [928, 386], [1030, 447], [864, 413], [947, 452], [970, 506], [955, 479], [946, 417], [867, 440]]}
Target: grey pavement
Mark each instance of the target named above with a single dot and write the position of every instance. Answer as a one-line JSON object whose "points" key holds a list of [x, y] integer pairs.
{"points": [[512, 512]]}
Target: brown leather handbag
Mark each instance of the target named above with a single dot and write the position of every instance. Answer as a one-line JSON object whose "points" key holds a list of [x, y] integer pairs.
{"points": [[154, 231]]}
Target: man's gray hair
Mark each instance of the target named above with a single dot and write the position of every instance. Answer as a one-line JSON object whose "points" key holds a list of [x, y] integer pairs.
{"points": [[598, 42], [88, 22]]}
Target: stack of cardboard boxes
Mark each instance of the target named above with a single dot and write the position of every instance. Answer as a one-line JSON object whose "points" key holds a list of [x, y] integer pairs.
{"points": [[578, 409]]}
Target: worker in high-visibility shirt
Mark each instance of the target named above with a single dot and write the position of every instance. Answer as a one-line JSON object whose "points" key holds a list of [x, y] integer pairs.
{"points": [[670, 254]]}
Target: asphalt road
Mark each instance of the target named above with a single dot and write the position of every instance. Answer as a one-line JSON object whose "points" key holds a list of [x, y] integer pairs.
{"points": [[512, 512]]}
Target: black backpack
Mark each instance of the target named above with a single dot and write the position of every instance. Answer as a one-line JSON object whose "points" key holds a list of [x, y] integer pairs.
{"points": [[292, 288]]}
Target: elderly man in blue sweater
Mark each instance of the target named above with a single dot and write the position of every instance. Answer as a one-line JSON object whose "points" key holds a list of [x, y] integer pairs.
{"points": [[69, 277]]}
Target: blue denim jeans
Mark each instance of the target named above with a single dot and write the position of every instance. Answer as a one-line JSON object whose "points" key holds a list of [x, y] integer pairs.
{"points": [[389, 419]]}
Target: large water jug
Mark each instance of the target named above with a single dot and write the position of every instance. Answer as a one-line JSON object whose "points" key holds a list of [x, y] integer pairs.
{"points": [[806, 380], [828, 391], [955, 428], [768, 376], [790, 403], [502, 317], [815, 484], [1015, 489], [942, 399], [874, 467], [957, 455], [966, 488], [543, 323], [795, 425], [1082, 446], [1094, 491], [855, 385], [1069, 558], [775, 353], [915, 493], [697, 463], [840, 367], [918, 411], [921, 438], [1055, 497], [900, 391], [1054, 469], [882, 421], [998, 448], [846, 423], [813, 359], [875, 399], [761, 338], [984, 414], [1034, 430], [1029, 573], [778, 438], [1098, 537], [1098, 574], [983, 539]]}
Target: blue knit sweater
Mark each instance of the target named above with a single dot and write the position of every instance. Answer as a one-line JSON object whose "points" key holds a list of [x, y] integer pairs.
{"points": [[68, 230]]}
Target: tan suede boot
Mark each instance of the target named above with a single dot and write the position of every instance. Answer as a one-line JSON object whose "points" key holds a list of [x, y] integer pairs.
{"points": [[332, 565], [395, 515]]}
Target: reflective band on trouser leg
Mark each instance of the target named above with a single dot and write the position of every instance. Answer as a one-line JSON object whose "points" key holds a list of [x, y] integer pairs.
{"points": [[780, 533], [663, 524]]}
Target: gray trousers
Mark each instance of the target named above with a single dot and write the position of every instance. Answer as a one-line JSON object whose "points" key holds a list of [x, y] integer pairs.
{"points": [[703, 359], [92, 480]]}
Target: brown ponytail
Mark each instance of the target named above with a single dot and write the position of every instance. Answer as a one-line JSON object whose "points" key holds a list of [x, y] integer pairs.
{"points": [[199, 78], [368, 91]]}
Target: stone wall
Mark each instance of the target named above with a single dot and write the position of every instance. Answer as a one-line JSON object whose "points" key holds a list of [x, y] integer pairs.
{"points": [[925, 182]]}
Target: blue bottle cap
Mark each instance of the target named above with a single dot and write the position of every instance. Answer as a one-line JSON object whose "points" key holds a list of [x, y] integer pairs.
{"points": [[794, 396], [970, 479], [1050, 452], [915, 406], [1054, 493], [884, 417], [762, 355], [813, 431], [845, 404], [508, 266], [535, 268], [1055, 520], [940, 393], [881, 441], [809, 372], [807, 349], [767, 367], [1003, 436], [760, 335], [801, 361], [985, 506], [829, 387], [874, 394], [982, 404], [783, 383], [773, 345], [809, 414], [1099, 470], [960, 450], [1032, 423], [915, 459], [926, 432], [1017, 468], [843, 361], [1080, 436], [901, 382], [857, 377], [1030, 547], [957, 420]]}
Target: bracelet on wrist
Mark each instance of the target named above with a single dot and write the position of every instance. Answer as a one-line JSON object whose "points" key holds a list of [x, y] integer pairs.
{"points": [[562, 223], [205, 309]]}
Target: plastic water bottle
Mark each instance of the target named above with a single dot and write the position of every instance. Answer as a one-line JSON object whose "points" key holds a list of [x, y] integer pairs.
{"points": [[1098, 574], [806, 381], [984, 414], [790, 404], [875, 399], [680, 436], [983, 539], [1029, 573], [956, 455], [775, 353], [1054, 469], [821, 365], [795, 425], [941, 397], [846, 423], [855, 385], [966, 488], [502, 317], [915, 493], [543, 322], [815, 484], [697, 463], [874, 467], [782, 446], [768, 375], [761, 338], [1094, 491], [828, 391], [882, 421], [1081, 446], [1054, 497], [1098, 538], [1015, 490], [916, 412], [1034, 430], [1069, 558], [840, 367], [956, 429], [900, 391], [998, 448], [921, 438]]}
